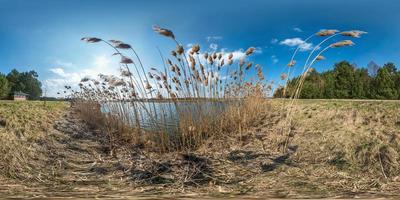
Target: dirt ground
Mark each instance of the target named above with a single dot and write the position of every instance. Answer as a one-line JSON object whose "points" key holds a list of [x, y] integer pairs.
{"points": [[81, 165]]}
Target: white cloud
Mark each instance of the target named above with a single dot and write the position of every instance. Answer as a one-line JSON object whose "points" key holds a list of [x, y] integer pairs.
{"points": [[294, 42], [59, 71], [297, 29], [102, 61], [213, 38], [237, 54], [258, 50], [240, 53], [274, 59], [63, 64], [274, 41], [214, 46], [62, 76]]}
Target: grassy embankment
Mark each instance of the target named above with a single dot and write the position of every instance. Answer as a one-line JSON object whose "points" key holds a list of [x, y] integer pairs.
{"points": [[23, 128]]}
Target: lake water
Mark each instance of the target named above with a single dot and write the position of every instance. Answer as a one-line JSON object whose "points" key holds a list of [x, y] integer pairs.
{"points": [[164, 115]]}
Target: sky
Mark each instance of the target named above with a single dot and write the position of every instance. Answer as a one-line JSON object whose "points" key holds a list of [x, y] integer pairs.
{"points": [[44, 35]]}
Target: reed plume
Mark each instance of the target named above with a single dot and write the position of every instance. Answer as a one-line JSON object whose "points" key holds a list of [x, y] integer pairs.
{"points": [[163, 31]]}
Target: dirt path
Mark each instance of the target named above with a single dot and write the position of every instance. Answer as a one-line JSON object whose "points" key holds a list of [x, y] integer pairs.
{"points": [[79, 165], [84, 165]]}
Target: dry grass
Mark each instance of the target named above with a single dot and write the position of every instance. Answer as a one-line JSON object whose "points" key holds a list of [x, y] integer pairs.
{"points": [[188, 75], [24, 125], [334, 153], [361, 136]]}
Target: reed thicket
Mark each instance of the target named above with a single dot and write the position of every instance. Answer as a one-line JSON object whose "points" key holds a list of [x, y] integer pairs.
{"points": [[210, 92], [206, 92]]}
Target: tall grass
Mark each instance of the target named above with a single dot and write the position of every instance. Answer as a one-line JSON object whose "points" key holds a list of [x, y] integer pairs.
{"points": [[187, 75], [328, 35], [207, 91]]}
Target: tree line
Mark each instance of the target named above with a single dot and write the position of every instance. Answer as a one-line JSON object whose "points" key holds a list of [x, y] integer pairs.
{"points": [[16, 81], [346, 81]]}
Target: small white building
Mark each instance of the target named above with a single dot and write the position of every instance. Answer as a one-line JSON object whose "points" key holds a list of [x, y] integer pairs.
{"points": [[19, 96]]}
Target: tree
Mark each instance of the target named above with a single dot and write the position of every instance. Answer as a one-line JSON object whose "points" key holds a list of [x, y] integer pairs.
{"points": [[14, 80], [312, 88], [26, 82], [362, 84], [347, 81], [32, 84], [279, 92], [385, 82], [397, 83], [4, 87], [328, 85], [344, 78]]}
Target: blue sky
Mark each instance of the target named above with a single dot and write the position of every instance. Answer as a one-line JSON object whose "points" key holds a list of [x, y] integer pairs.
{"points": [[44, 35]]}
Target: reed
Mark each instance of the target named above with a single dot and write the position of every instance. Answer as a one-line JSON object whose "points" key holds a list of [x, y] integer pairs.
{"points": [[329, 34], [190, 86], [186, 76]]}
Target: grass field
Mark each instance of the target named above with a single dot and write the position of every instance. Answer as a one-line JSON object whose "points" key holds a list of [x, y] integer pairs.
{"points": [[339, 148], [24, 125], [344, 145]]}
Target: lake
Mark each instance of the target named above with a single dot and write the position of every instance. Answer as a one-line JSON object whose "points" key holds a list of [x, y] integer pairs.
{"points": [[165, 115]]}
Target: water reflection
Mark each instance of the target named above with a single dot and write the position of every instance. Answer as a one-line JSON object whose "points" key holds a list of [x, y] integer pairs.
{"points": [[165, 115]]}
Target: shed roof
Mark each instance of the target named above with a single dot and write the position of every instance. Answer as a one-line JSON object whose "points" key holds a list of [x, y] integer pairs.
{"points": [[19, 93]]}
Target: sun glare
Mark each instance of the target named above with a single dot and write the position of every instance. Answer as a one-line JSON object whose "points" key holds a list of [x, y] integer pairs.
{"points": [[101, 61]]}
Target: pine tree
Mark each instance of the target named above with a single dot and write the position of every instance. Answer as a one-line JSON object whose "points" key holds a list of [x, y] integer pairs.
{"points": [[344, 80], [385, 82], [4, 87]]}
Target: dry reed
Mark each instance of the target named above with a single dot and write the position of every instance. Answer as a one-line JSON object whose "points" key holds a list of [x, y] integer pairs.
{"points": [[192, 89]]}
